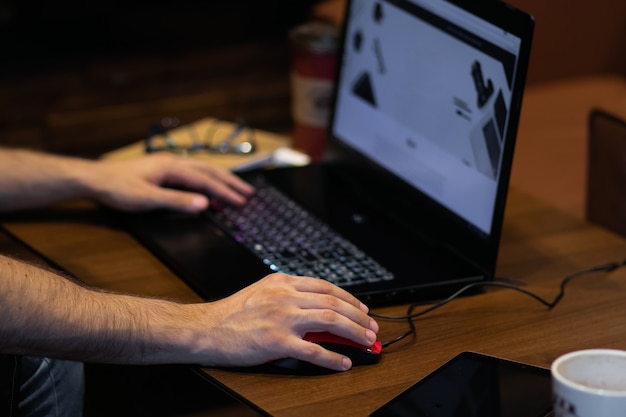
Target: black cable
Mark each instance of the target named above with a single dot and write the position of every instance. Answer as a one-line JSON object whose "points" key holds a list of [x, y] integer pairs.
{"points": [[608, 267], [409, 332]]}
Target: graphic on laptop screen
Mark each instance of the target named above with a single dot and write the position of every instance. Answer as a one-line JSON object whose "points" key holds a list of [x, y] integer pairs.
{"points": [[425, 124]]}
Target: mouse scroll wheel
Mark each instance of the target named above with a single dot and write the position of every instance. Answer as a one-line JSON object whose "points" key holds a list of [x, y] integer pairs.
{"points": [[377, 347]]}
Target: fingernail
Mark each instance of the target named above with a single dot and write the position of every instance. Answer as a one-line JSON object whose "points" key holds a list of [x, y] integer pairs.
{"points": [[371, 336], [374, 326], [199, 203], [346, 363], [364, 308]]}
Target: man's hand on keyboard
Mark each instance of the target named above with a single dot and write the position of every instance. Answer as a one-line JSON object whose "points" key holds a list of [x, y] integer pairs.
{"points": [[34, 179], [134, 185], [267, 320]]}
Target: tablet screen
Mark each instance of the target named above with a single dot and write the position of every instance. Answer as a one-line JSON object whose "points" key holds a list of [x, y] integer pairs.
{"points": [[473, 385]]}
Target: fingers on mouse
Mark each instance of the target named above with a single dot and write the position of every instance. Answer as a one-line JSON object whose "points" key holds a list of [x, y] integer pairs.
{"points": [[358, 354]]}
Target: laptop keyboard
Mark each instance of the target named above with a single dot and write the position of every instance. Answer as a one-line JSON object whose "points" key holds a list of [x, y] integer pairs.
{"points": [[289, 239]]}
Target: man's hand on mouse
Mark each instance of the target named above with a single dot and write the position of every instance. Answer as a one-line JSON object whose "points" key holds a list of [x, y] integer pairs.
{"points": [[137, 184], [267, 321]]}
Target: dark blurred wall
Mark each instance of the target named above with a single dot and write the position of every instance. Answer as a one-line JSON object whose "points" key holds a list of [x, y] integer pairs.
{"points": [[87, 77], [60, 29]]}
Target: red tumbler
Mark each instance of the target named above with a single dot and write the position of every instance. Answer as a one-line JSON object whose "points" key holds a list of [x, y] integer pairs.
{"points": [[314, 57]]}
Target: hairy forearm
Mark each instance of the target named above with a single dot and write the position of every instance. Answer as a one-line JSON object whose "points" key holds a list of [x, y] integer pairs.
{"points": [[45, 314], [32, 179], [42, 313]]}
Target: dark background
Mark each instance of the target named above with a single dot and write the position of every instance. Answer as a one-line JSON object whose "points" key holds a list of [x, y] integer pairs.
{"points": [[86, 77]]}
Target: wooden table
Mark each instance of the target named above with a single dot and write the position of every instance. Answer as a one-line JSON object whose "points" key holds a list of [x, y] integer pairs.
{"points": [[540, 246]]}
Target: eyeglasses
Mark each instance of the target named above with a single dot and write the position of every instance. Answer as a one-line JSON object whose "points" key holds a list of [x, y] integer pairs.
{"points": [[239, 141]]}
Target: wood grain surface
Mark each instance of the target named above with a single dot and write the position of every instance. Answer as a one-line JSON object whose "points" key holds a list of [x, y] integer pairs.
{"points": [[540, 246]]}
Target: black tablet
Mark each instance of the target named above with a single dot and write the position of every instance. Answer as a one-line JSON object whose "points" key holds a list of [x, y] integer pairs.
{"points": [[476, 385]]}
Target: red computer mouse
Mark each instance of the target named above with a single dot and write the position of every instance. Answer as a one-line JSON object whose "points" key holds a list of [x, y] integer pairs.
{"points": [[359, 354]]}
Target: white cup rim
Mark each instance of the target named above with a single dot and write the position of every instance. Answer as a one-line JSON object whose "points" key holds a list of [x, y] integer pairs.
{"points": [[580, 387]]}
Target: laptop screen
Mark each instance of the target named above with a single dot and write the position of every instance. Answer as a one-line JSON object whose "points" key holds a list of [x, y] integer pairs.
{"points": [[433, 111]]}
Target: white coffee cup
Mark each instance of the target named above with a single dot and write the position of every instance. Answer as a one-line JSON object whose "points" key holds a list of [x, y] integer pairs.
{"points": [[590, 383]]}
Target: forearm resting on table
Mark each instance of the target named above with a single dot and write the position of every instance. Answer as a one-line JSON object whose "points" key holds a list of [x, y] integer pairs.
{"points": [[42, 313], [31, 179]]}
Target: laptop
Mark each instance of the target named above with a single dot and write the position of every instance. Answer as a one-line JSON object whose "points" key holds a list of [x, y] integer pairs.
{"points": [[415, 176]]}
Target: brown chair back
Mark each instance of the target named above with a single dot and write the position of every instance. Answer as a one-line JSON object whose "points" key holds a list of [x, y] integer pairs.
{"points": [[606, 177]]}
